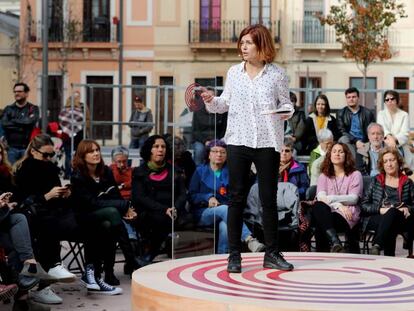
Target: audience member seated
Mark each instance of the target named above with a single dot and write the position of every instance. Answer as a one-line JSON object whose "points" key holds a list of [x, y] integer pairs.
{"points": [[296, 124], [325, 139], [396, 125], [183, 159], [319, 119], [353, 121], [121, 171], [293, 171], [367, 154], [38, 187], [208, 195], [23, 269], [388, 205], [100, 208], [152, 186], [338, 191]]}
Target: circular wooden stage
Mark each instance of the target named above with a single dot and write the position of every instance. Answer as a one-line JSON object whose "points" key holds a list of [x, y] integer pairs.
{"points": [[320, 281]]}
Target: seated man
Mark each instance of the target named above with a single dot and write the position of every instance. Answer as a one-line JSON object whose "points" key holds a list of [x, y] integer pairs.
{"points": [[367, 154], [353, 121], [325, 139]]}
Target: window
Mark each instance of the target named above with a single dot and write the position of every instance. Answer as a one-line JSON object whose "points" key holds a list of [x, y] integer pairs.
{"points": [[210, 20], [141, 92], [260, 12], [54, 104], [55, 12], [403, 83], [312, 30], [370, 99], [96, 24], [163, 125], [310, 82]]}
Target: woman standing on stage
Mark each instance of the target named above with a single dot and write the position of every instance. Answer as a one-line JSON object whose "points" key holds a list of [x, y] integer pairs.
{"points": [[255, 95]]}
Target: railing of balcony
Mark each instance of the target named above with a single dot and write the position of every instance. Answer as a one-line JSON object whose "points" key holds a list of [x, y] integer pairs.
{"points": [[98, 30], [312, 32], [224, 31]]}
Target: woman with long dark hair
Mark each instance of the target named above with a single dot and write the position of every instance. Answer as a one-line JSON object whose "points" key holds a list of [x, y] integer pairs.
{"points": [[339, 188]]}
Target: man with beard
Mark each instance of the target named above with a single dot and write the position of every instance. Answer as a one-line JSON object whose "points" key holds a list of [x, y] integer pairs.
{"points": [[18, 122]]}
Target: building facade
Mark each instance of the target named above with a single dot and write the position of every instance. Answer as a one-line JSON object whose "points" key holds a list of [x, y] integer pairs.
{"points": [[179, 42]]}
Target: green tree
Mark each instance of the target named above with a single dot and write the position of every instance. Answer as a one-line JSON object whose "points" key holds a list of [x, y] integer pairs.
{"points": [[361, 27]]}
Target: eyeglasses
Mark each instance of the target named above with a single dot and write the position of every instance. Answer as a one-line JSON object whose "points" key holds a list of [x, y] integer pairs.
{"points": [[389, 99], [46, 155], [18, 91], [286, 150]]}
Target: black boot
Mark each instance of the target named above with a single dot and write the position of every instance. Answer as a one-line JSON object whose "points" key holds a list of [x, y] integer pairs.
{"points": [[336, 245], [131, 259]]}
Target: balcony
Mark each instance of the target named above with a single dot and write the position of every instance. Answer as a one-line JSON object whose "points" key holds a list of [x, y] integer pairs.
{"points": [[222, 34]]}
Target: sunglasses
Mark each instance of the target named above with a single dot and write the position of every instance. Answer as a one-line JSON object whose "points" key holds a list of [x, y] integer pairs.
{"points": [[46, 155], [389, 99], [286, 150]]}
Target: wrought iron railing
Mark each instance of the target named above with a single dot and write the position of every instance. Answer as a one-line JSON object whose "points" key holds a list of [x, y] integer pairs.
{"points": [[312, 32], [224, 31]]}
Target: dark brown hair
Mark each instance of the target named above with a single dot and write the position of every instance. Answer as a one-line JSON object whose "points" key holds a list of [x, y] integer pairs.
{"points": [[79, 163], [262, 39], [327, 107], [327, 168], [395, 152]]}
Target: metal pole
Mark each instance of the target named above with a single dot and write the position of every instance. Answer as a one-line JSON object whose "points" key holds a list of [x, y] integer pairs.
{"points": [[120, 67], [45, 60]]}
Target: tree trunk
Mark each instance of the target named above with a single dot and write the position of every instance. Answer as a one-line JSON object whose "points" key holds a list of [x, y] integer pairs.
{"points": [[364, 85]]}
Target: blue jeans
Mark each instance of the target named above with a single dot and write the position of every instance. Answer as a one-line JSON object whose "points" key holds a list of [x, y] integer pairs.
{"points": [[199, 151], [206, 218], [137, 143], [15, 154]]}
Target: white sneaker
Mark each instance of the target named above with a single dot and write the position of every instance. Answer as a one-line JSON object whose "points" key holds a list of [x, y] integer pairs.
{"points": [[254, 245], [46, 296], [62, 274]]}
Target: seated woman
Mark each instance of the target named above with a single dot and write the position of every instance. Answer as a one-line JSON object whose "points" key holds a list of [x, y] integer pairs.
{"points": [[339, 188], [389, 203], [325, 139], [152, 186], [292, 171], [100, 208], [209, 197], [319, 119], [396, 124], [38, 185]]}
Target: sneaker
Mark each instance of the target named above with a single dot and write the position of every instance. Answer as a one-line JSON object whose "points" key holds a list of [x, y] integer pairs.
{"points": [[36, 270], [375, 250], [234, 263], [46, 296], [111, 279], [88, 278], [61, 273], [254, 245], [106, 289], [7, 291], [275, 260]]}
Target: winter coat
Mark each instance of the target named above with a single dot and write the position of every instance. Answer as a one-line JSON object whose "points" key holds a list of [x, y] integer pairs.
{"points": [[344, 118]]}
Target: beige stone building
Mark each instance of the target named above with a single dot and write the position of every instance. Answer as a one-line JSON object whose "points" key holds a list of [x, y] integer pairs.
{"points": [[178, 42]]}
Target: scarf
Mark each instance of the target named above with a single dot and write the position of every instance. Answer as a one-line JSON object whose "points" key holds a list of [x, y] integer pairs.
{"points": [[284, 170], [157, 172]]}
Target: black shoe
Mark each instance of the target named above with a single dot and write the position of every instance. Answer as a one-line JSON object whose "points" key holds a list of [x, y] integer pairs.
{"points": [[111, 279], [27, 282], [234, 263], [275, 260]]}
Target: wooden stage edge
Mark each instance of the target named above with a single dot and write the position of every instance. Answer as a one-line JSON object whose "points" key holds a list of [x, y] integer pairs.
{"points": [[320, 281]]}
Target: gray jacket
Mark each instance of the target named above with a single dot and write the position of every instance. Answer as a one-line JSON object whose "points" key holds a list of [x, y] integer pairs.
{"points": [[138, 131], [287, 206]]}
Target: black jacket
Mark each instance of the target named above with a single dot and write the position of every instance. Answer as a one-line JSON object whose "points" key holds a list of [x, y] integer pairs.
{"points": [[18, 124], [344, 117], [373, 198], [297, 123], [156, 196], [90, 195], [33, 180]]}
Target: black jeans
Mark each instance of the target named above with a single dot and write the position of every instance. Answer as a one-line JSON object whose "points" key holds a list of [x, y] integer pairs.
{"points": [[388, 226], [266, 160]]}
